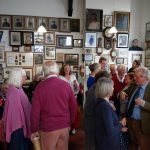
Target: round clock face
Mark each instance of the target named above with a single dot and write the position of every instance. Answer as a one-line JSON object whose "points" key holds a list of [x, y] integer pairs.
{"points": [[107, 34], [113, 53]]}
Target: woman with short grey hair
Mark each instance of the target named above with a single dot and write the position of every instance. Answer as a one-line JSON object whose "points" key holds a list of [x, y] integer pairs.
{"points": [[17, 112], [107, 126]]}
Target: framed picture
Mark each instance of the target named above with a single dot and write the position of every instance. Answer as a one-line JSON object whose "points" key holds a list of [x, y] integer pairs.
{"points": [[94, 18], [72, 59], [29, 75], [122, 21], [75, 25], [126, 61], [1, 35], [38, 58], [38, 48], [30, 23], [60, 64], [64, 25], [18, 22], [119, 60], [107, 43], [28, 38], [6, 72], [19, 59], [108, 20], [53, 24], [27, 48], [60, 57], [5, 22], [78, 43], [88, 50], [15, 38], [90, 39], [64, 41], [147, 62], [147, 53], [137, 57], [38, 38], [50, 52], [88, 57], [147, 34], [42, 21], [49, 38], [2, 50], [15, 48], [39, 70], [122, 40], [99, 50]]}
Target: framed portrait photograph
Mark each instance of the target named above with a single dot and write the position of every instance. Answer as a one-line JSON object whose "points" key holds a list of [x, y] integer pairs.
{"points": [[50, 52], [94, 20], [15, 48], [49, 38], [29, 75], [28, 38], [122, 40], [2, 51], [5, 22], [147, 62], [122, 21], [75, 25], [119, 60], [78, 43], [107, 43], [64, 25], [72, 59], [108, 20], [53, 24], [39, 70], [19, 59], [64, 41], [15, 38], [38, 58], [38, 38], [38, 49], [30, 23], [90, 39], [147, 53], [18, 22], [42, 21], [147, 34]]}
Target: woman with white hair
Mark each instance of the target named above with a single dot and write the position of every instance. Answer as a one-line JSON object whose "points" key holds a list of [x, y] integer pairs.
{"points": [[17, 112], [107, 126]]}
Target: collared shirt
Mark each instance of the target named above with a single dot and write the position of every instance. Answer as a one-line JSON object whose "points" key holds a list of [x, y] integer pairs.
{"points": [[51, 76], [137, 109]]}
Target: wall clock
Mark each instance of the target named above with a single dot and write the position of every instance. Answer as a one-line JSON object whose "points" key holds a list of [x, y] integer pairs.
{"points": [[106, 33], [113, 52]]}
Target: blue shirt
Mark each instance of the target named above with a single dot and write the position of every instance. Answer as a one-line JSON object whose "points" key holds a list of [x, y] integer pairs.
{"points": [[137, 109], [90, 81]]}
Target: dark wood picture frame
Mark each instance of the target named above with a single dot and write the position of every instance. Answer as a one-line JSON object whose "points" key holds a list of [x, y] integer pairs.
{"points": [[28, 38], [122, 40], [64, 25], [72, 59], [18, 22], [15, 38], [94, 20], [5, 22], [53, 24], [30, 23]]}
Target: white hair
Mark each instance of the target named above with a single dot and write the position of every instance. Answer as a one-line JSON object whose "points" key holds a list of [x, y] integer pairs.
{"points": [[144, 72], [121, 66], [15, 77], [50, 68]]}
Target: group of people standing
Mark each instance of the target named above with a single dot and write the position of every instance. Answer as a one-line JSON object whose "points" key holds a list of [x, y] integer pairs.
{"points": [[116, 112], [51, 114]]}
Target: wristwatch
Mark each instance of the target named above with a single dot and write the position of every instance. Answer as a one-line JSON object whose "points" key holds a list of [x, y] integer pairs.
{"points": [[106, 33]]}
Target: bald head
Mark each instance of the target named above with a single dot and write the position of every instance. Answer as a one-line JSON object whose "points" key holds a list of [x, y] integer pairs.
{"points": [[50, 68]]}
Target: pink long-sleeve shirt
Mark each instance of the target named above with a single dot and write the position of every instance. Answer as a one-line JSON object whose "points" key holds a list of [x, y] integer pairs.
{"points": [[53, 105]]}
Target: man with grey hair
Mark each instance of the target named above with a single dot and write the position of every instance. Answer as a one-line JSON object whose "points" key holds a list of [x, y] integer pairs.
{"points": [[138, 108], [119, 84], [53, 110]]}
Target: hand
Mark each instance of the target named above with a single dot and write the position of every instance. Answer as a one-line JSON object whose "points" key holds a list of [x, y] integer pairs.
{"points": [[35, 134], [75, 84], [124, 129], [123, 96], [139, 102], [123, 121]]}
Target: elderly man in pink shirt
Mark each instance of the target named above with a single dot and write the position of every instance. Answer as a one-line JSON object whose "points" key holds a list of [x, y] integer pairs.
{"points": [[53, 110]]}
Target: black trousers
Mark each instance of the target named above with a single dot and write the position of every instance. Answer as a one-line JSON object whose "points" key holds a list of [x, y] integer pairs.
{"points": [[19, 142]]}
